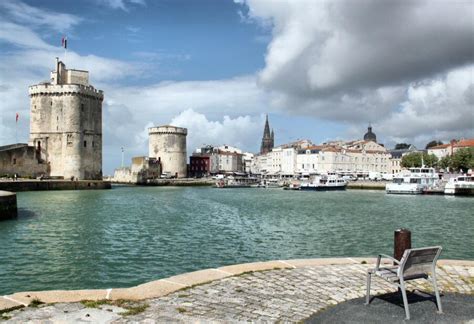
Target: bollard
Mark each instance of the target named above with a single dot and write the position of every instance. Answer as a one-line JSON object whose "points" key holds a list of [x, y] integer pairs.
{"points": [[401, 242]]}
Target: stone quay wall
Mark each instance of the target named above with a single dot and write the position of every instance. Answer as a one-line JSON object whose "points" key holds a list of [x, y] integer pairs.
{"points": [[35, 185], [8, 207]]}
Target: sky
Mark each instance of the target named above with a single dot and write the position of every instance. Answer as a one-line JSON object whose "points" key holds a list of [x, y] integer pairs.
{"points": [[322, 70]]}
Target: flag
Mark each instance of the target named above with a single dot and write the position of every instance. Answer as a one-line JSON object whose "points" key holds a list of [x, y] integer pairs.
{"points": [[17, 116], [64, 42]]}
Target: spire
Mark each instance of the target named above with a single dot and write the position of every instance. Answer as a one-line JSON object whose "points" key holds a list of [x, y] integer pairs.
{"points": [[266, 130]]}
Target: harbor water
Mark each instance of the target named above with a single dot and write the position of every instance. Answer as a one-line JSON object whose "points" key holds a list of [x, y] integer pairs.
{"points": [[130, 235]]}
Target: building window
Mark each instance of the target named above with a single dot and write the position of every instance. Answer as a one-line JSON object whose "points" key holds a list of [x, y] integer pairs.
{"points": [[85, 143], [14, 160], [93, 145]]}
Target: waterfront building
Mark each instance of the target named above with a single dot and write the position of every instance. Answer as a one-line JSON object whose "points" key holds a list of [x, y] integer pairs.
{"points": [[167, 144], [65, 130], [213, 160], [268, 139], [443, 150], [396, 158], [143, 170]]}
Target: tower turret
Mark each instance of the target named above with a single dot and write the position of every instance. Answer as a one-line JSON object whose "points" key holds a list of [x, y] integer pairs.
{"points": [[66, 124]]}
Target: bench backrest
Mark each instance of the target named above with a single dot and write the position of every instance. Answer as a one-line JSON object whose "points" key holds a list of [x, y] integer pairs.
{"points": [[419, 261]]}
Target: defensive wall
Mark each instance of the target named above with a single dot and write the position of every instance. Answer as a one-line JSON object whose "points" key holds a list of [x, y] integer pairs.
{"points": [[8, 206]]}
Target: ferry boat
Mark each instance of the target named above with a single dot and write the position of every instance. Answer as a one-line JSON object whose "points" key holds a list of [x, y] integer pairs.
{"points": [[416, 182], [325, 183], [460, 185], [236, 182], [268, 183]]}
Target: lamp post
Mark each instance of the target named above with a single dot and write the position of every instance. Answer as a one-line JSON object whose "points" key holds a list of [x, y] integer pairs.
{"points": [[122, 155]]}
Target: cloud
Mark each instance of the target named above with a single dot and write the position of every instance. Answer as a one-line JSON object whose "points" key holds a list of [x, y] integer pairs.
{"points": [[370, 61], [241, 131], [23, 13], [121, 4]]}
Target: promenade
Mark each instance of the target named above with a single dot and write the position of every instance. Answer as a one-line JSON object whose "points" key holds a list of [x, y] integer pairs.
{"points": [[290, 290]]}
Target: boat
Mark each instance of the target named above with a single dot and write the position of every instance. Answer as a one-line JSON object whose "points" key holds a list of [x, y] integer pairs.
{"points": [[236, 182], [268, 183], [415, 182], [324, 183], [460, 185]]}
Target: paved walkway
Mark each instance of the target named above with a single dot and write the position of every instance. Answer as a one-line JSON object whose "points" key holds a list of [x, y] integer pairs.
{"points": [[292, 290]]}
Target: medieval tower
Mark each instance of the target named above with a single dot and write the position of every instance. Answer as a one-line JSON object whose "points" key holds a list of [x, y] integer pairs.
{"points": [[168, 145], [66, 124], [268, 140]]}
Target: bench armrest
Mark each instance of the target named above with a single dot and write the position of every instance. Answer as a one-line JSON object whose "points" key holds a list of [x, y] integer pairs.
{"points": [[379, 258]]}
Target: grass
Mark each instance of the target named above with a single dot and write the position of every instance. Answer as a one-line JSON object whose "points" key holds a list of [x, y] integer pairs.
{"points": [[363, 262], [94, 303], [134, 310], [181, 310], [35, 302]]}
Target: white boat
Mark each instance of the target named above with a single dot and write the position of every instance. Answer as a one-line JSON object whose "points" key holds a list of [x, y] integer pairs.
{"points": [[460, 185], [268, 183], [236, 182], [415, 182], [324, 183]]}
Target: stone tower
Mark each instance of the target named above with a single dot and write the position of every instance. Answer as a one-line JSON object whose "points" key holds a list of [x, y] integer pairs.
{"points": [[66, 124], [168, 145], [369, 136], [268, 140]]}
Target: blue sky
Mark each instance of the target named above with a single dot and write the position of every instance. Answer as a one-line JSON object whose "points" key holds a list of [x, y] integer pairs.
{"points": [[321, 71]]}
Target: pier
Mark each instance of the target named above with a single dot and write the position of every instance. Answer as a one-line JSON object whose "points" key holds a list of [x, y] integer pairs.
{"points": [[8, 206], [273, 291], [35, 185]]}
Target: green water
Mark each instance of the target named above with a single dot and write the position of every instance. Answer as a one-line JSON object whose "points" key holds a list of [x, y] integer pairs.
{"points": [[130, 235]]}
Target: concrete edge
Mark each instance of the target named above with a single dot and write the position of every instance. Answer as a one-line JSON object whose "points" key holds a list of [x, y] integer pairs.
{"points": [[165, 286]]}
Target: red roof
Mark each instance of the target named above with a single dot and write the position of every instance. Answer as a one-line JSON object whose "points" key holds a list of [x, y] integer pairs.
{"points": [[465, 143], [439, 147]]}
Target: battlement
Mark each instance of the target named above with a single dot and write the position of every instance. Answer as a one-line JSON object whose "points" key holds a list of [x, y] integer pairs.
{"points": [[65, 89], [168, 129]]}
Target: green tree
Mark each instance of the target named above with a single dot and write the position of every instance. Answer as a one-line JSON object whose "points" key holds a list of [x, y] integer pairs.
{"points": [[402, 146], [445, 162], [463, 159], [433, 143], [415, 160]]}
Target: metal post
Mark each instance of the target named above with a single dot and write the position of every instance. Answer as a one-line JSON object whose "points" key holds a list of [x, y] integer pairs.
{"points": [[122, 156], [402, 242]]}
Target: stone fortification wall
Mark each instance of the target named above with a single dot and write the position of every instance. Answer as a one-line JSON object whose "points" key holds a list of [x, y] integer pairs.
{"points": [[142, 171], [35, 185], [168, 145], [66, 128], [8, 207], [22, 160]]}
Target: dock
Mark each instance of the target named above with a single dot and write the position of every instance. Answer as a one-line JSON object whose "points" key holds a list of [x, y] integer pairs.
{"points": [[36, 185]]}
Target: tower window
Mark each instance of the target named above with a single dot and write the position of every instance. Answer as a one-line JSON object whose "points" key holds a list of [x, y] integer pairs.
{"points": [[85, 143], [51, 103], [82, 107], [14, 160]]}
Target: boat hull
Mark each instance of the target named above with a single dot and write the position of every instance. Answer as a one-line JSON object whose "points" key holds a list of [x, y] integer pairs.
{"points": [[323, 188]]}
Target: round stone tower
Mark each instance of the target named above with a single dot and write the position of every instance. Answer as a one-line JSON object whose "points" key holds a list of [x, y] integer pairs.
{"points": [[168, 144], [66, 124]]}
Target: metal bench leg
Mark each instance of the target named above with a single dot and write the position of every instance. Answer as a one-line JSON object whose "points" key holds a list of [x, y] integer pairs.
{"points": [[405, 300], [438, 299], [367, 296]]}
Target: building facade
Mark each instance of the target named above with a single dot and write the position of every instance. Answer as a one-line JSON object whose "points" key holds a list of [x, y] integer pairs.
{"points": [[65, 126], [168, 145]]}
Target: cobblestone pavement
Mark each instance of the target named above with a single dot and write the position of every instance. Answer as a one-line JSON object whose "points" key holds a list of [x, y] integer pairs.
{"points": [[267, 296]]}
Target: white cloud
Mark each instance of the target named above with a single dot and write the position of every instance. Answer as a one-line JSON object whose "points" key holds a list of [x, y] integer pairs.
{"points": [[241, 131], [121, 4], [25, 14]]}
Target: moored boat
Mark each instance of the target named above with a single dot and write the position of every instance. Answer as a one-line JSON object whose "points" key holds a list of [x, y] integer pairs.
{"points": [[325, 183], [460, 185], [415, 182], [236, 182]]}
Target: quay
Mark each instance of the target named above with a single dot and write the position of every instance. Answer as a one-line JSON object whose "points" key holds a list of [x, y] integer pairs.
{"points": [[366, 185], [8, 205], [282, 290], [35, 185]]}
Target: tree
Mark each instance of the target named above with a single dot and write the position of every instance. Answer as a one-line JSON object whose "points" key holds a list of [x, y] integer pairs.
{"points": [[402, 146], [415, 160], [433, 143], [463, 159]]}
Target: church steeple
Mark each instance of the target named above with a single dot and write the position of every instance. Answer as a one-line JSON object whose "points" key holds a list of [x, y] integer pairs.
{"points": [[267, 139]]}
